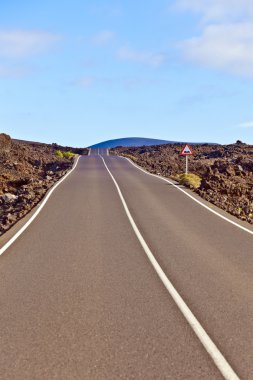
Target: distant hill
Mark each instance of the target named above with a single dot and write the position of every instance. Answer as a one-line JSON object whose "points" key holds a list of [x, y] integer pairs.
{"points": [[130, 141], [138, 141]]}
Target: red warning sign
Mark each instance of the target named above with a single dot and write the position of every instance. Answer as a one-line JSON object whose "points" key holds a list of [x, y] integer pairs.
{"points": [[186, 151]]}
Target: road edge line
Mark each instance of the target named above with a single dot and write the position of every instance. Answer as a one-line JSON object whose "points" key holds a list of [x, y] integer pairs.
{"points": [[213, 351], [190, 196], [44, 201]]}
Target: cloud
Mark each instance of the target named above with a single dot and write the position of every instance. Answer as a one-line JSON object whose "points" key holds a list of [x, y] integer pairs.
{"points": [[103, 38], [248, 124], [226, 38], [147, 58], [204, 94], [87, 81], [217, 10], [14, 71], [223, 46], [125, 82], [19, 43]]}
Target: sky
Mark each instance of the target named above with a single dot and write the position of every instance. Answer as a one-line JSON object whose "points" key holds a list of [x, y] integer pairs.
{"points": [[79, 72]]}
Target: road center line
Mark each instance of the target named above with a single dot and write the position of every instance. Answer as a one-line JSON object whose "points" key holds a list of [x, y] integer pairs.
{"points": [[217, 357]]}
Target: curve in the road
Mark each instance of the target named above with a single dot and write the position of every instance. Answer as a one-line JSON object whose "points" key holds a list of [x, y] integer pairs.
{"points": [[193, 198], [219, 360], [24, 227]]}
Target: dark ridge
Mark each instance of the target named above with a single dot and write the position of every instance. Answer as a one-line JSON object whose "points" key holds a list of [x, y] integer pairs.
{"points": [[135, 142]]}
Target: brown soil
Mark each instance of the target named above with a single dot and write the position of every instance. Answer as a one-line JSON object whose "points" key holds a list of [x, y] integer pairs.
{"points": [[27, 171], [226, 171]]}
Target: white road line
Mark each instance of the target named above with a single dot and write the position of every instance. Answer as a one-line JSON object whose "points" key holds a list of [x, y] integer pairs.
{"points": [[219, 360], [11, 241], [190, 196]]}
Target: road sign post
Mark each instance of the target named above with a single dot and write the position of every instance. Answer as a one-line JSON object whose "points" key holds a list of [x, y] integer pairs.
{"points": [[186, 151]]}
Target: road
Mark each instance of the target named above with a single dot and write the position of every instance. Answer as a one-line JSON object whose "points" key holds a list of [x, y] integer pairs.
{"points": [[79, 299]]}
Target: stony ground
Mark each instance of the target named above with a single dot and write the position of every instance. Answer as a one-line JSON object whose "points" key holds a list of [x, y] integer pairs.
{"points": [[27, 171], [226, 172]]}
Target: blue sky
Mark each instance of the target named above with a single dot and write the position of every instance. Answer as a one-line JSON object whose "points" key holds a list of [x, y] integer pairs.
{"points": [[79, 72]]}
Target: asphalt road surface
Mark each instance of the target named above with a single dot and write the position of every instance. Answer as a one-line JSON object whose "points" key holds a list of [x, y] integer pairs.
{"points": [[79, 298]]}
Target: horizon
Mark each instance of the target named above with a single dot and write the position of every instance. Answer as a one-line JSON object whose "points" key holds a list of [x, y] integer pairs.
{"points": [[131, 137], [96, 72], [161, 141], [165, 142]]}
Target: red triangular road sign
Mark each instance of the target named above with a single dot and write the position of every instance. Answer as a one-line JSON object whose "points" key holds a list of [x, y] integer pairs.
{"points": [[186, 151]]}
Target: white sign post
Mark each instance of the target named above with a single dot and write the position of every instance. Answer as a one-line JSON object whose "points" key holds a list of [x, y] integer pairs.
{"points": [[186, 151], [186, 164]]}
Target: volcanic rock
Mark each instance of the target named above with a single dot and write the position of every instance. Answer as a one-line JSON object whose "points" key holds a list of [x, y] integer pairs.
{"points": [[27, 171], [226, 171]]}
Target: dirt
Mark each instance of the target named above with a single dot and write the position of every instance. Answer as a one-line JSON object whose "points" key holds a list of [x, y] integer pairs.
{"points": [[226, 171], [27, 171]]}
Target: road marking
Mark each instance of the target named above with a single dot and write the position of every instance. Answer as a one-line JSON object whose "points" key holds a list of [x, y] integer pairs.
{"points": [[219, 360], [193, 198], [11, 241]]}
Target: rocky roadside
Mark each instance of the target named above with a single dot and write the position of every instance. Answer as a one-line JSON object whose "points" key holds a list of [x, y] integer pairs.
{"points": [[27, 171], [226, 172]]}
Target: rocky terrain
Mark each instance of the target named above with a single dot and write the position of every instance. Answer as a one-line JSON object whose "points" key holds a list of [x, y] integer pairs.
{"points": [[27, 171], [226, 171]]}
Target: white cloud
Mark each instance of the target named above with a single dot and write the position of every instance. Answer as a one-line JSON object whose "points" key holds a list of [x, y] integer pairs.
{"points": [[103, 38], [147, 58], [223, 46], [125, 82], [14, 72], [218, 9], [248, 124], [226, 39], [87, 81], [205, 93], [18, 43]]}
